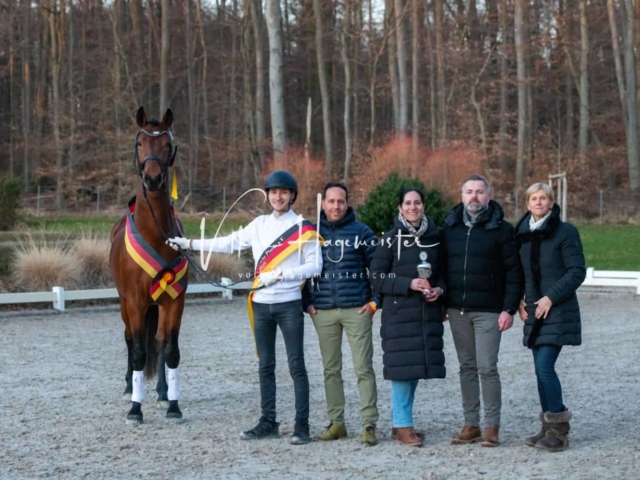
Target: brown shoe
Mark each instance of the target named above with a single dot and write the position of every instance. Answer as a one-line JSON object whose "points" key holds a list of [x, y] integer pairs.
{"points": [[407, 436], [394, 434], [490, 437], [469, 434]]}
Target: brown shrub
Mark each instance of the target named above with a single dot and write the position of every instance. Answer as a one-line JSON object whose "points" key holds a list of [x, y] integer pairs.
{"points": [[39, 266], [92, 255]]}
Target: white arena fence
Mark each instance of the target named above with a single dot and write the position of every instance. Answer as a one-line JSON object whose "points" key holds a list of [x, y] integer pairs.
{"points": [[59, 296]]}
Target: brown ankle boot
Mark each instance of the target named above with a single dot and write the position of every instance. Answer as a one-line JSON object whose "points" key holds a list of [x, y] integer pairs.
{"points": [[407, 436], [533, 439], [469, 434], [490, 437], [556, 438], [394, 434]]}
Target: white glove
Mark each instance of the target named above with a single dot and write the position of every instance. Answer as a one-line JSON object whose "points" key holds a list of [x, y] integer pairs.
{"points": [[269, 278], [178, 243]]}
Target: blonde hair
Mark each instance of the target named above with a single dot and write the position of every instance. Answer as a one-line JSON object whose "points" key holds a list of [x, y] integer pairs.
{"points": [[536, 187]]}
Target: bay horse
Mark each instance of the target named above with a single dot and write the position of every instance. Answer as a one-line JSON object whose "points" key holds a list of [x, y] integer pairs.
{"points": [[151, 278]]}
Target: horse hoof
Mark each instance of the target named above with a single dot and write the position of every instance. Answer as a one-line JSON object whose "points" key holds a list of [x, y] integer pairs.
{"points": [[126, 397], [162, 404], [174, 420], [134, 420]]}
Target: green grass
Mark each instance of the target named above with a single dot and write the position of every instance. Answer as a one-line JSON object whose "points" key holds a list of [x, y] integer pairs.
{"points": [[611, 247]]}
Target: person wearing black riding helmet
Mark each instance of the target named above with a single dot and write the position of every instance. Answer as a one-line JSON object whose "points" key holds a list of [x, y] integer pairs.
{"points": [[278, 303]]}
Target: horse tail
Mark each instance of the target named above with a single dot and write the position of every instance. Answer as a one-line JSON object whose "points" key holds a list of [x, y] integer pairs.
{"points": [[151, 327]]}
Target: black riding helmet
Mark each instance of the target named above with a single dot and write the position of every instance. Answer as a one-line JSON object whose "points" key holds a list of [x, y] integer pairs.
{"points": [[282, 179]]}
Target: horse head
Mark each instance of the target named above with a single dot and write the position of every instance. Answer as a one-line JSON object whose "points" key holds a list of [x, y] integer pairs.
{"points": [[153, 151]]}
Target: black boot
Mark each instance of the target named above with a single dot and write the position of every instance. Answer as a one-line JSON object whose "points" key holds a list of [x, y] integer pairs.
{"points": [[264, 429], [556, 438], [301, 433]]}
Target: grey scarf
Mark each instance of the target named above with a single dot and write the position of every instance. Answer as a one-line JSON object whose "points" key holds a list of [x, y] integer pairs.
{"points": [[469, 220], [424, 224]]}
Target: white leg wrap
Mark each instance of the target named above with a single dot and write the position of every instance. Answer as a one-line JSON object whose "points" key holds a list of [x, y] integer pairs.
{"points": [[138, 386], [173, 383]]}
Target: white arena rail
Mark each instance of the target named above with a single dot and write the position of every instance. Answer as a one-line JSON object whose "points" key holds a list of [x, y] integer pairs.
{"points": [[59, 296]]}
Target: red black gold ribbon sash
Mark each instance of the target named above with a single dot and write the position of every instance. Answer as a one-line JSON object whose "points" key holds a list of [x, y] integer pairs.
{"points": [[167, 277], [283, 246]]}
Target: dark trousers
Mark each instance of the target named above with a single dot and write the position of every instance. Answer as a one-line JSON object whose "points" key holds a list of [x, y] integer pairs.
{"points": [[289, 317], [549, 388]]}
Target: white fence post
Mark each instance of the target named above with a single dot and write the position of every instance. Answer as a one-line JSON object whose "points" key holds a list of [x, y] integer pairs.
{"points": [[58, 301], [226, 293]]}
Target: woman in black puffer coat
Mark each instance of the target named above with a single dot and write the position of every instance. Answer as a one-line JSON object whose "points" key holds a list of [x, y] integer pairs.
{"points": [[411, 317], [554, 268]]}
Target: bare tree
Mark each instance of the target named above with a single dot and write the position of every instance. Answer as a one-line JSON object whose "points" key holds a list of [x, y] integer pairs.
{"points": [[276, 80], [415, 81], [522, 92], [442, 113], [324, 89], [164, 56], [191, 98], [433, 114], [55, 93], [348, 141], [632, 130], [399, 10], [583, 131], [257, 19], [393, 67], [504, 72], [26, 90]]}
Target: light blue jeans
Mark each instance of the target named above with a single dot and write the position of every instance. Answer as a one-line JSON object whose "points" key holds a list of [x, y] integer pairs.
{"points": [[402, 395]]}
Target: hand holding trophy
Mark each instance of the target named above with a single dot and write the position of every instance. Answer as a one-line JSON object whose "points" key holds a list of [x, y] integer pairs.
{"points": [[424, 271]]}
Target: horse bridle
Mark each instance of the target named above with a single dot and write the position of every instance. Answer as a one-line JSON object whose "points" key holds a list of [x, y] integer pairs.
{"points": [[164, 166]]}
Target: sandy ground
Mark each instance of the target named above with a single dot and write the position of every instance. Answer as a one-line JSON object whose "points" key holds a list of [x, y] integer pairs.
{"points": [[62, 376]]}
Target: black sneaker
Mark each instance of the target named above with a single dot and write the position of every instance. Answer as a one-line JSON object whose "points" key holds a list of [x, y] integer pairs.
{"points": [[301, 433], [264, 429]]}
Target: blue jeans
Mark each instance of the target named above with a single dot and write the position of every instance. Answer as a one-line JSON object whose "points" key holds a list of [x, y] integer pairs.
{"points": [[402, 395], [549, 388], [289, 317]]}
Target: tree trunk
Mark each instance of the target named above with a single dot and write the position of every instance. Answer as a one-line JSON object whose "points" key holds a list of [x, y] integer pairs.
{"points": [[193, 174], [415, 80], [348, 141], [55, 93], [324, 89], [504, 72], [522, 92], [276, 79], [164, 56], [257, 19], [12, 92], [433, 114], [632, 131], [246, 48], [618, 62], [583, 132], [135, 8], [636, 31], [117, 91], [399, 10], [26, 92], [393, 67], [233, 94], [442, 114], [72, 96]]}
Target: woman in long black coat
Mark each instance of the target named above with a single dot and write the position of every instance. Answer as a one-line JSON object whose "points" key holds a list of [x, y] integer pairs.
{"points": [[411, 317], [554, 268]]}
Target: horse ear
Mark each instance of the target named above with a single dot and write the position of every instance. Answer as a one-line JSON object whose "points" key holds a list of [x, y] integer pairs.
{"points": [[141, 117], [167, 119]]}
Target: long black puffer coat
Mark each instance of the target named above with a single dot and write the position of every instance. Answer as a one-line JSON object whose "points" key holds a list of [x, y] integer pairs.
{"points": [[554, 266], [411, 328]]}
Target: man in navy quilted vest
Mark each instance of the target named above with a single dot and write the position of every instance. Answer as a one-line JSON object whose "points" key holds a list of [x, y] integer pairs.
{"points": [[341, 300]]}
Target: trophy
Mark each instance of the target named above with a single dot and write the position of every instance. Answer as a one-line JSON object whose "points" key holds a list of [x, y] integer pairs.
{"points": [[424, 271]]}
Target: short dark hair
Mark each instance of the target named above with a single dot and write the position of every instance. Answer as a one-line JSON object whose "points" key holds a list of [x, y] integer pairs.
{"points": [[335, 185], [404, 191]]}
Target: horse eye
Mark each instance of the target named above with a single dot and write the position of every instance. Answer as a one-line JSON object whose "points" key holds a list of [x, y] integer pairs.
{"points": [[138, 144]]}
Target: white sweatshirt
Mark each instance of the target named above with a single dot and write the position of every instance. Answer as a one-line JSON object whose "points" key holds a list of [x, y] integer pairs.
{"points": [[259, 235]]}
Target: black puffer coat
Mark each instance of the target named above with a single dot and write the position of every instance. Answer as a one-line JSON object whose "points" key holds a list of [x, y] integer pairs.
{"points": [[344, 281], [483, 271], [554, 266], [411, 328]]}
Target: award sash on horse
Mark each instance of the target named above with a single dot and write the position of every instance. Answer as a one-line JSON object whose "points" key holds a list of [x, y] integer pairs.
{"points": [[290, 241], [167, 276]]}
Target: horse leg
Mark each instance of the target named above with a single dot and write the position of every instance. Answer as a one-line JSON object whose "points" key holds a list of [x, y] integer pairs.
{"points": [[128, 389], [162, 388], [138, 359], [171, 354]]}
